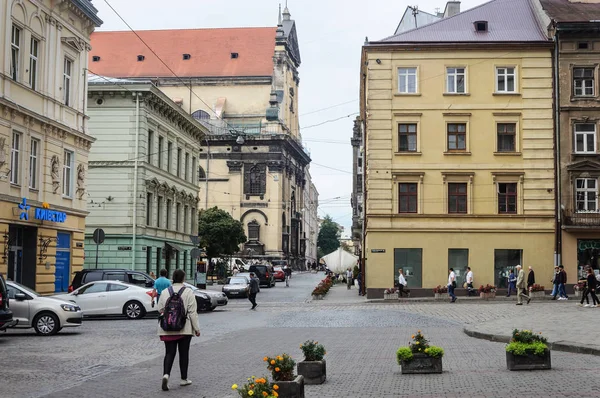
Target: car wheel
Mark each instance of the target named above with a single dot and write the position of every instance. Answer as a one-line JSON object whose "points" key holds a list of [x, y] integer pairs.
{"points": [[46, 324], [211, 308], [134, 310]]}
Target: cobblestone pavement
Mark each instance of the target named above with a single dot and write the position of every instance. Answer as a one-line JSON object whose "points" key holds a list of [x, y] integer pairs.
{"points": [[120, 358]]}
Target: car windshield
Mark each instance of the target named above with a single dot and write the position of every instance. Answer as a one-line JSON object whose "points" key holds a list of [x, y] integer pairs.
{"points": [[237, 281], [277, 269], [190, 286], [26, 289]]}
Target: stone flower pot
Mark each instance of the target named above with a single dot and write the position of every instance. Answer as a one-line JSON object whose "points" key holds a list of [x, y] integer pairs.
{"points": [[577, 293], [314, 372], [439, 296], [390, 296], [317, 297], [422, 364], [528, 362], [487, 296], [291, 389], [539, 294]]}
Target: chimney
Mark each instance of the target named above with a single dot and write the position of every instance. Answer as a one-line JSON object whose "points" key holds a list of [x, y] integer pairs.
{"points": [[452, 8]]}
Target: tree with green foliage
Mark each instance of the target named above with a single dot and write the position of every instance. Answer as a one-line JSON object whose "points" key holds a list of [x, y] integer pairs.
{"points": [[220, 234], [328, 240]]}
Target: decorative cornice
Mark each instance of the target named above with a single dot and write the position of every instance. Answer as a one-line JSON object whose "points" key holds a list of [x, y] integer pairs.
{"points": [[234, 166]]}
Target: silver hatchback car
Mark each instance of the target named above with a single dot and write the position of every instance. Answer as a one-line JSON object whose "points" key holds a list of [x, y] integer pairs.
{"points": [[46, 315]]}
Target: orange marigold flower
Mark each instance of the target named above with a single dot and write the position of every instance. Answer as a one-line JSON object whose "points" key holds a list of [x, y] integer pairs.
{"points": [[277, 369], [265, 394], [275, 393], [272, 362], [413, 336], [275, 387], [265, 359]]}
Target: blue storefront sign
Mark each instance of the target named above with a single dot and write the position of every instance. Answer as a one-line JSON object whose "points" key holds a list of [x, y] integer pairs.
{"points": [[63, 262], [42, 214]]}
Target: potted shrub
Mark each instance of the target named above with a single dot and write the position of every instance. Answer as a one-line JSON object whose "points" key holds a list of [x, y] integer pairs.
{"points": [[420, 357], [440, 291], [536, 291], [313, 368], [487, 292], [527, 351], [390, 294], [282, 369], [255, 388], [322, 288]]}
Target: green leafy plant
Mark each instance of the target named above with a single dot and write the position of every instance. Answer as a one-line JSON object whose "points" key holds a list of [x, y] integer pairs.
{"points": [[281, 367], [419, 344], [525, 342], [257, 388], [312, 350], [527, 336], [404, 354], [434, 351]]}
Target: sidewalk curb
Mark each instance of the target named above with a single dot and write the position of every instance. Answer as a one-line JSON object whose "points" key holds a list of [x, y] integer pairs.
{"points": [[561, 345]]}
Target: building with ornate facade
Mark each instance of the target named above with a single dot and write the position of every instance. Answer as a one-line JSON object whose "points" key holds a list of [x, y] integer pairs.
{"points": [[459, 149], [44, 140], [142, 184], [243, 85]]}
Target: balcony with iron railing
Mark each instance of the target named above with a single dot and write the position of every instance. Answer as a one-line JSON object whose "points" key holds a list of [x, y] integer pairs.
{"points": [[581, 218]]}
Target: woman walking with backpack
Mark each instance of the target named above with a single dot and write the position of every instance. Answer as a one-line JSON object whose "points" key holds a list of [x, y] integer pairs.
{"points": [[178, 322]]}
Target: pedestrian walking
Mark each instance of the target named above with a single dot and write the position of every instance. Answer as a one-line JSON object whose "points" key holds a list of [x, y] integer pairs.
{"points": [[512, 283], [349, 278], [470, 289], [530, 278], [175, 307], [359, 279], [288, 274], [401, 283], [563, 281], [451, 285], [235, 271], [161, 283], [556, 283], [590, 289], [521, 286], [254, 289], [152, 275]]}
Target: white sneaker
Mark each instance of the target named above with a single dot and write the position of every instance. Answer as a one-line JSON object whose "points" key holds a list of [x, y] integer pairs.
{"points": [[562, 298], [185, 382], [579, 305], [587, 306], [165, 383]]}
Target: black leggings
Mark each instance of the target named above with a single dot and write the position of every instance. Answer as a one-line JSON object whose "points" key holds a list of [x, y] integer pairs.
{"points": [[183, 344]]}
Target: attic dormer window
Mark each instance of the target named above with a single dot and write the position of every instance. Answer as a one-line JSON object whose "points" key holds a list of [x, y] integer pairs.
{"points": [[141, 58], [234, 55], [95, 58], [481, 26], [186, 57]]}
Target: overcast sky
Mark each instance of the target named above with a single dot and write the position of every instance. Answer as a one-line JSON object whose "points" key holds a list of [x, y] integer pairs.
{"points": [[330, 32]]}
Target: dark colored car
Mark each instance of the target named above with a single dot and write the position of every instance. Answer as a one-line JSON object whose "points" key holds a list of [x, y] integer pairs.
{"points": [[115, 274], [6, 315], [265, 274], [203, 301]]}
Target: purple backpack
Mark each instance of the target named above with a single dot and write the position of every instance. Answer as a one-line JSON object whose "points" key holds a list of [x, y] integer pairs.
{"points": [[174, 315]]}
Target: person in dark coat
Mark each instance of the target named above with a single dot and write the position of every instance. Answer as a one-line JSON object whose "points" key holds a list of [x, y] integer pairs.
{"points": [[254, 289], [530, 278]]}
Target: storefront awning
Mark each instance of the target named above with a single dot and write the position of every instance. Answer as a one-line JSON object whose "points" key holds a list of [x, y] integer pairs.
{"points": [[173, 246]]}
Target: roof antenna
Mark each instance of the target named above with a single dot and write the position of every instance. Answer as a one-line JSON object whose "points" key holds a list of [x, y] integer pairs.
{"points": [[415, 11]]}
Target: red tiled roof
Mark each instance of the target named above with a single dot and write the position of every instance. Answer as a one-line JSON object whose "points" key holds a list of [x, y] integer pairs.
{"points": [[210, 51]]}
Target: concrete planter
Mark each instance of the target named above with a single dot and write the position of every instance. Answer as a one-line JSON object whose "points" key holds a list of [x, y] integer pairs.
{"points": [[390, 296], [577, 293], [317, 297], [487, 296], [291, 389], [440, 296], [422, 364], [314, 372], [528, 362], [538, 295]]}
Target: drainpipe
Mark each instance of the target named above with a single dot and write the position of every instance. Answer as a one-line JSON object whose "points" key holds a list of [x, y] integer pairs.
{"points": [[207, 171], [135, 178], [558, 190]]}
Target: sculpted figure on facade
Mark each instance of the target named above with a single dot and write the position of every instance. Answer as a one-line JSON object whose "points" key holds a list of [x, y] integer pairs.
{"points": [[80, 181], [54, 171]]}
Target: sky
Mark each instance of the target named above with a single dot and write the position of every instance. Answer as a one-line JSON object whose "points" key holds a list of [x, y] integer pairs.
{"points": [[330, 34]]}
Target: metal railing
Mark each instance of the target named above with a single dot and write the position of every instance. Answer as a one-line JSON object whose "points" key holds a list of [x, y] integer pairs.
{"points": [[581, 218]]}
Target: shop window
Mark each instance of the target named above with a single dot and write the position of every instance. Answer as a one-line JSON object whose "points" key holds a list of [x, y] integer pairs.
{"points": [[504, 261], [411, 262], [458, 259]]}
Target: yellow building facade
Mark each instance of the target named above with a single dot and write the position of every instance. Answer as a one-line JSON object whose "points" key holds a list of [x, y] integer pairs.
{"points": [[459, 156], [44, 144]]}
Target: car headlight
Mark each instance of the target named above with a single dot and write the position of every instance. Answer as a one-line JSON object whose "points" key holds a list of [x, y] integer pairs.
{"points": [[69, 307]]}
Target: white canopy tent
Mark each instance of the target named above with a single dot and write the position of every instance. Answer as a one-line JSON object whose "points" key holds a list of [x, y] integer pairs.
{"points": [[340, 260]]}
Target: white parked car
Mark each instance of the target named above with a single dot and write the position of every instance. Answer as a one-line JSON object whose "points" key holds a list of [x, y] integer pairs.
{"points": [[113, 298], [216, 298], [46, 315]]}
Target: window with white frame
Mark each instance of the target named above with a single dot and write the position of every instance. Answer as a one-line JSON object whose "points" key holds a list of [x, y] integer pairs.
{"points": [[149, 202], [583, 81], [186, 165], [455, 80], [68, 166], [159, 212], [407, 80], [177, 216], [15, 158], [160, 151], [585, 138], [586, 195], [15, 47], [168, 214], [185, 219], [67, 71], [33, 62], [34, 150], [505, 80]]}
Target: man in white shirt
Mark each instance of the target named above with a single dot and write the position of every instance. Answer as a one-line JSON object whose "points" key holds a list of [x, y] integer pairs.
{"points": [[349, 278], [401, 283], [451, 284], [470, 290]]}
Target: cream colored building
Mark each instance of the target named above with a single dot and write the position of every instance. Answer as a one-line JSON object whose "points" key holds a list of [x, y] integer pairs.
{"points": [[459, 150], [242, 84], [44, 144]]}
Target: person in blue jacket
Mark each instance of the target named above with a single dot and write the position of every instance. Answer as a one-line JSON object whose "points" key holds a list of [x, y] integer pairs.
{"points": [[161, 283], [512, 282]]}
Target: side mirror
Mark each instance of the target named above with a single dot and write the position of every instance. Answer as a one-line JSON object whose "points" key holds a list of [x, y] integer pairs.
{"points": [[20, 297]]}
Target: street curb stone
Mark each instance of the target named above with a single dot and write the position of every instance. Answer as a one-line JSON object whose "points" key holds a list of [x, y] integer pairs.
{"points": [[561, 345]]}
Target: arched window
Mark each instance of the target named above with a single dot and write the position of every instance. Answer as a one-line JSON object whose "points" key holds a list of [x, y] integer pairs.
{"points": [[255, 179], [201, 174], [200, 115]]}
